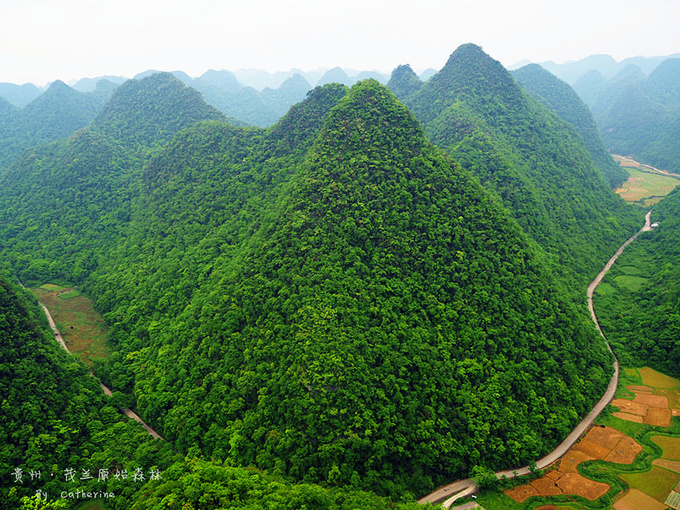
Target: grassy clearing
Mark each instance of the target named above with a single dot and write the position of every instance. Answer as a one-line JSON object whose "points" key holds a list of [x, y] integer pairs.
{"points": [[69, 294], [51, 287], [646, 188], [630, 269], [632, 283], [83, 329], [605, 289]]}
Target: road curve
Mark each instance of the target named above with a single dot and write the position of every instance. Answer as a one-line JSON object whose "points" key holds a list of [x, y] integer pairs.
{"points": [[448, 494], [128, 412]]}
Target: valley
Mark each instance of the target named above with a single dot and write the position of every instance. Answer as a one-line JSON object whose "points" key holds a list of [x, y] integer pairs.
{"points": [[646, 186]]}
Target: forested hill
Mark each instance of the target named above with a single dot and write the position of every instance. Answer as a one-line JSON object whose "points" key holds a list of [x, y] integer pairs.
{"points": [[644, 118], [53, 115], [54, 416], [562, 100], [533, 160], [317, 313], [332, 299], [66, 204], [150, 111]]}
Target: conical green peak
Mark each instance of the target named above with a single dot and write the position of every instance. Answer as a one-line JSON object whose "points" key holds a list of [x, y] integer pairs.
{"points": [[368, 121], [472, 71], [151, 110], [404, 82]]}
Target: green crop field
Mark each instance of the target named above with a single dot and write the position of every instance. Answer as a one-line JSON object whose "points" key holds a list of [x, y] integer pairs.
{"points": [[646, 188]]}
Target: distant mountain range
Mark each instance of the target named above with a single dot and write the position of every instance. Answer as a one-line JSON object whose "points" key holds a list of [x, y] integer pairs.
{"points": [[603, 64]]}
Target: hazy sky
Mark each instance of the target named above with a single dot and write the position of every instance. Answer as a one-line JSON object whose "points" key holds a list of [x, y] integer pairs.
{"points": [[44, 40]]}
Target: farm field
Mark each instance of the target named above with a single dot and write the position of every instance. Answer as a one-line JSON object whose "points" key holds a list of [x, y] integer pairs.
{"points": [[646, 188], [629, 460], [83, 329]]}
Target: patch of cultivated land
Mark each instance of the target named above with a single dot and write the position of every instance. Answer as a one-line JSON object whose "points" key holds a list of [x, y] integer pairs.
{"points": [[83, 329], [638, 443], [645, 187]]}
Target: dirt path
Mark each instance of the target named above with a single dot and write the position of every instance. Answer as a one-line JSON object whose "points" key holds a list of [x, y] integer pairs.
{"points": [[462, 488], [128, 412]]}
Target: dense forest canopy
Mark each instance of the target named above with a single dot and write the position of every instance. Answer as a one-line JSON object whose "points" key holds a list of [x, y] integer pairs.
{"points": [[51, 116], [535, 162], [309, 299], [57, 423], [638, 114], [562, 100]]}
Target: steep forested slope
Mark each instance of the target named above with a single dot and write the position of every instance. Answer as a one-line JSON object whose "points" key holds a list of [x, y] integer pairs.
{"points": [[55, 419], [149, 112], [640, 308], [644, 118], [373, 317], [561, 99], [534, 161], [64, 205], [222, 90], [332, 299], [54, 115]]}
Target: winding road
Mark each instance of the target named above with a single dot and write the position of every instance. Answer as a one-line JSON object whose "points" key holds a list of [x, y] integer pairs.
{"points": [[448, 494]]}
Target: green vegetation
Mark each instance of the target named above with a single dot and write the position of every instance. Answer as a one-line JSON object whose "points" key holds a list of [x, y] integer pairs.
{"points": [[53, 115], [642, 119], [325, 307], [533, 161], [649, 302], [54, 415], [332, 299], [657, 482], [652, 480], [561, 99], [55, 418], [632, 283], [82, 328], [646, 188]]}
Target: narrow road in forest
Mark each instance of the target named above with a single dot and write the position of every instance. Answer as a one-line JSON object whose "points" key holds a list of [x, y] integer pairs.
{"points": [[128, 412], [462, 488]]}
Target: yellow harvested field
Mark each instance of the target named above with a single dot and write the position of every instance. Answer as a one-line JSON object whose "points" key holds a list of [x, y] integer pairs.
{"points": [[637, 500], [572, 459], [577, 485], [592, 449], [651, 400], [522, 493], [605, 436], [546, 486], [629, 417], [629, 406], [651, 377], [658, 417], [672, 394], [637, 388], [625, 451], [672, 465], [600, 443]]}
